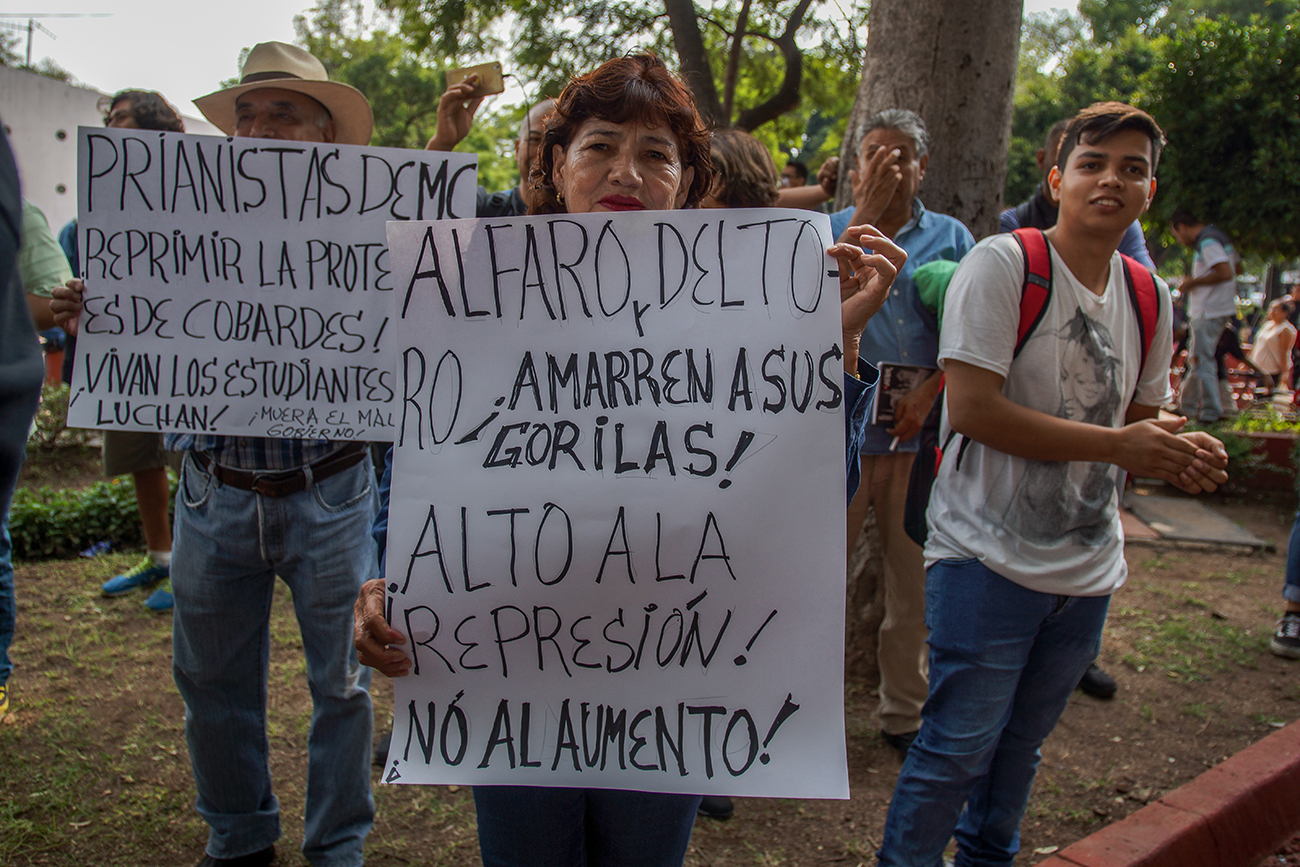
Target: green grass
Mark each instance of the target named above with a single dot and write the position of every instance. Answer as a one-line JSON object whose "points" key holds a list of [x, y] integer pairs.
{"points": [[78, 794], [865, 852], [1200, 710], [1165, 560], [1081, 816], [93, 763], [765, 858], [1190, 645], [1101, 782]]}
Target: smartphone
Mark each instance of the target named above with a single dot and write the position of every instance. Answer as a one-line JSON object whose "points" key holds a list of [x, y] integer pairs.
{"points": [[490, 78]]}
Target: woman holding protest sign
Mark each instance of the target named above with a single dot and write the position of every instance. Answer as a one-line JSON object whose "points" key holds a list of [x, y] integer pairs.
{"points": [[626, 137]]}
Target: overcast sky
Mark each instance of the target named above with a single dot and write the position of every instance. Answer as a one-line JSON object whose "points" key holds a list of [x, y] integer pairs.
{"points": [[178, 47]]}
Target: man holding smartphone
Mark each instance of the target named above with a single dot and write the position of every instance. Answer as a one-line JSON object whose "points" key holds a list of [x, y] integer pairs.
{"points": [[456, 110]]}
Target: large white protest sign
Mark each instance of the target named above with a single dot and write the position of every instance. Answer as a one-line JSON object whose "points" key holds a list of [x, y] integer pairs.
{"points": [[243, 286], [616, 539]]}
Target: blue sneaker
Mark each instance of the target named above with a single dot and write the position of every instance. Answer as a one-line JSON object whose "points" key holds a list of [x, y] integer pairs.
{"points": [[145, 574], [160, 600]]}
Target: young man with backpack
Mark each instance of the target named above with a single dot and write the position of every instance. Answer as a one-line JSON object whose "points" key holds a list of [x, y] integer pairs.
{"points": [[1025, 544], [1039, 212]]}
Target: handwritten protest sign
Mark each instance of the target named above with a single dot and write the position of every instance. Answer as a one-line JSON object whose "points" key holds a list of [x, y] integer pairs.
{"points": [[616, 539], [242, 286]]}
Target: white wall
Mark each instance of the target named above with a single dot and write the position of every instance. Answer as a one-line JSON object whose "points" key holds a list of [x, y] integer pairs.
{"points": [[41, 116]]}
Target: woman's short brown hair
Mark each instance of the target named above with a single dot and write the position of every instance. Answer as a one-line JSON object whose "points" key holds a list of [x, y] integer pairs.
{"points": [[637, 87], [745, 176]]}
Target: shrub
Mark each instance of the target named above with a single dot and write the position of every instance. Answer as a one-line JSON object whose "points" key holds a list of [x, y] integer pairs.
{"points": [[50, 428], [1243, 461], [46, 522], [1264, 419]]}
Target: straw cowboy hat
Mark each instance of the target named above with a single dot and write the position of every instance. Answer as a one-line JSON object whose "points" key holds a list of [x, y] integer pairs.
{"points": [[288, 67]]}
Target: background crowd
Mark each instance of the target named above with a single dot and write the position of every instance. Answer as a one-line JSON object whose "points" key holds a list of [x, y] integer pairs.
{"points": [[628, 135]]}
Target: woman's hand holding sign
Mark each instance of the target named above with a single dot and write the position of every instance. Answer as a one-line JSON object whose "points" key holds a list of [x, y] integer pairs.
{"points": [[865, 279]]}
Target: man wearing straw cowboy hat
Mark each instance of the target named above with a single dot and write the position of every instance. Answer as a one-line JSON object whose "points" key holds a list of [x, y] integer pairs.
{"points": [[249, 509], [253, 508]]}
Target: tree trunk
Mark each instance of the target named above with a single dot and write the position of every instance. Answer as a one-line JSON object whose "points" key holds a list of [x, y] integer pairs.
{"points": [[955, 65], [694, 59], [864, 607]]}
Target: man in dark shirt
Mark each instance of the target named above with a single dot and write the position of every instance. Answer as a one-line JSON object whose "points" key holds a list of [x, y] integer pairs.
{"points": [[250, 509]]}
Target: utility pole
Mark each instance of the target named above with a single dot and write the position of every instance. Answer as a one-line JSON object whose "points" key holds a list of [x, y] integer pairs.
{"points": [[34, 25]]}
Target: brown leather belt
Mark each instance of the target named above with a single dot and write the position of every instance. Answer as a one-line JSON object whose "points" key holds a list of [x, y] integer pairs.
{"points": [[290, 481]]}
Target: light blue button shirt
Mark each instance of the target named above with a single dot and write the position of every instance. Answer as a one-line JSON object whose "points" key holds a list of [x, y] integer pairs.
{"points": [[905, 331]]}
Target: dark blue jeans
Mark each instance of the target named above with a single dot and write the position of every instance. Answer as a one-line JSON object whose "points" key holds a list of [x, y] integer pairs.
{"points": [[1291, 590], [16, 409], [530, 826], [7, 605], [1003, 662]]}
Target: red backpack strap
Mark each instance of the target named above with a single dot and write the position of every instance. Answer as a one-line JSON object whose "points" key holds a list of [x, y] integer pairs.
{"points": [[1037, 288], [1144, 297]]}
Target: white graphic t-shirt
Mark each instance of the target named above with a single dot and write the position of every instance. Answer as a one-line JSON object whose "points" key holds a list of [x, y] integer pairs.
{"points": [[1050, 526]]}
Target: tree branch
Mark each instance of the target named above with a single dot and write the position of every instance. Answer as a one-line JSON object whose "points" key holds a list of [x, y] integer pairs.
{"points": [[733, 61], [787, 96]]}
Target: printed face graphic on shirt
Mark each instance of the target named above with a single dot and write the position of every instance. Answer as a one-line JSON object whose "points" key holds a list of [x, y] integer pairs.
{"points": [[1062, 501], [1081, 388], [1088, 364]]}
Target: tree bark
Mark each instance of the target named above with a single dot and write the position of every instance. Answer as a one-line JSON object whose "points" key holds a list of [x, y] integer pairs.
{"points": [[694, 58], [954, 64], [864, 607]]}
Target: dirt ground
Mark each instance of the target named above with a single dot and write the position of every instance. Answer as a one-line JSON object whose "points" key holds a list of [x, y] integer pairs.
{"points": [[75, 468], [93, 766]]}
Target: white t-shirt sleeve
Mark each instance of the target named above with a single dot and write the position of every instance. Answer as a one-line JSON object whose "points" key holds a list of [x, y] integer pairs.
{"points": [[1211, 253], [982, 309]]}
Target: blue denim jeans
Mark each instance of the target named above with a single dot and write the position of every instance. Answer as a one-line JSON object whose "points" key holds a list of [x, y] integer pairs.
{"points": [[529, 826], [7, 605], [1291, 589], [17, 404], [1202, 371], [229, 547], [1003, 662]]}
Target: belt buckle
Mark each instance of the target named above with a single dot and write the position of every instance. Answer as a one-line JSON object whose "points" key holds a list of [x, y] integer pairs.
{"points": [[275, 485]]}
